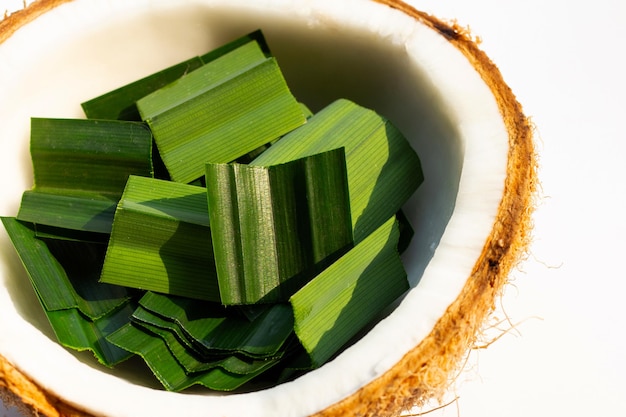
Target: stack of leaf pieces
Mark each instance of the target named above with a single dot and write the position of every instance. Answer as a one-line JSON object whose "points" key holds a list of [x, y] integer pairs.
{"points": [[65, 275], [243, 237], [80, 168]]}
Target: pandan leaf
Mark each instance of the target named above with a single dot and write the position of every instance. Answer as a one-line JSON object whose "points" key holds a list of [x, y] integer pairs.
{"points": [[120, 103], [80, 310], [383, 169], [76, 331], [339, 302], [166, 368], [199, 82], [80, 169], [193, 363], [61, 289], [237, 114], [216, 331], [275, 227], [161, 240]]}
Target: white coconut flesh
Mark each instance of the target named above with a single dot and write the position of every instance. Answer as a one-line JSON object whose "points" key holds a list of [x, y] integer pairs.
{"points": [[368, 52]]}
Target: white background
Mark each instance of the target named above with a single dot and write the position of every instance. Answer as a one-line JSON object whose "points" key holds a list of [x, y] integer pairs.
{"points": [[565, 356]]}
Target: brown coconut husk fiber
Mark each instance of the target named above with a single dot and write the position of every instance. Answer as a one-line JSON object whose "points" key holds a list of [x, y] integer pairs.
{"points": [[427, 371]]}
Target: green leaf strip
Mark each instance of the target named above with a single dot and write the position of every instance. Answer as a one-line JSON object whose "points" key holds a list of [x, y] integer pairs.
{"points": [[80, 170], [89, 155], [58, 289], [192, 363], [344, 298], [229, 120], [200, 81], [218, 331], [73, 211], [274, 227], [120, 103], [166, 368], [75, 331], [383, 169], [161, 240]]}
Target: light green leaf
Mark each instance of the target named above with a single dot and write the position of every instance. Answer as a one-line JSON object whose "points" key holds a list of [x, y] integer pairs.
{"points": [[120, 103], [383, 169], [161, 240], [338, 303], [235, 116]]}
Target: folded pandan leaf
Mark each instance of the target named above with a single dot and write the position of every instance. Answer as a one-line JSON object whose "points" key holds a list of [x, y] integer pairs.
{"points": [[120, 103], [349, 294], [215, 330], [383, 169], [168, 370], [80, 169], [161, 240], [275, 227], [220, 112], [80, 310]]}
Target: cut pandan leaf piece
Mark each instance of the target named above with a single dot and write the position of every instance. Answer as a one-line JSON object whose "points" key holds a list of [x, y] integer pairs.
{"points": [[68, 210], [244, 105], [166, 368], [161, 240], [250, 156], [80, 310], [383, 169], [76, 331], [80, 169], [192, 363], [344, 298], [273, 228], [120, 103], [57, 233], [197, 83], [73, 286], [214, 330]]}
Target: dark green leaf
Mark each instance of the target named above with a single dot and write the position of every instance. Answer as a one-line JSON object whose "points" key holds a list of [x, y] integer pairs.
{"points": [[78, 332], [216, 332], [58, 289], [166, 368], [80, 170], [274, 227]]}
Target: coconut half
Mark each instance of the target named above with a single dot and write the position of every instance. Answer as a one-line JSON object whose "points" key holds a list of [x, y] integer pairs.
{"points": [[471, 215]]}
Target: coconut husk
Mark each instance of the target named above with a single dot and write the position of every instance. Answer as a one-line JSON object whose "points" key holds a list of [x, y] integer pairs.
{"points": [[427, 371]]}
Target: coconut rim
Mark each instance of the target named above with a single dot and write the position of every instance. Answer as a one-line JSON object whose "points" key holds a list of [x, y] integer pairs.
{"points": [[425, 371]]}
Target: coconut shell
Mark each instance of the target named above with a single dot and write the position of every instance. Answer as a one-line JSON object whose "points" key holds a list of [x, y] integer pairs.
{"points": [[427, 371]]}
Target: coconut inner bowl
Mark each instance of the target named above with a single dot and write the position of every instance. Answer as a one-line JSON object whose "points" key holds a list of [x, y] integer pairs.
{"points": [[471, 215]]}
